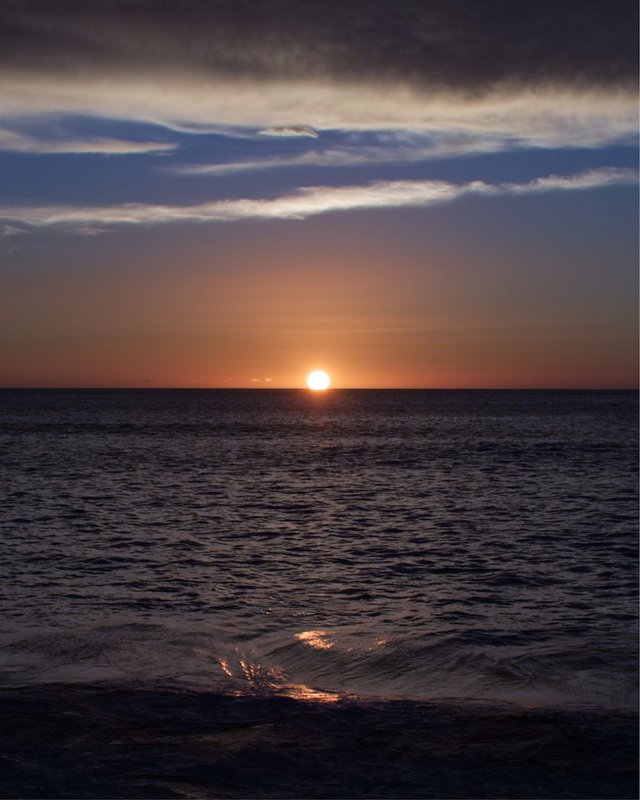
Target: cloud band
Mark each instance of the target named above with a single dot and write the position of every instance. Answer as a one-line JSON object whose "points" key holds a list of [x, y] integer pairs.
{"points": [[302, 203]]}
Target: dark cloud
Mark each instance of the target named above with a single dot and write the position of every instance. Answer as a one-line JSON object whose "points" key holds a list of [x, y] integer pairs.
{"points": [[462, 44]]}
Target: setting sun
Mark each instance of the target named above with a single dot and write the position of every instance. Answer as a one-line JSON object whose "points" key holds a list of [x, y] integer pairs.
{"points": [[318, 380]]}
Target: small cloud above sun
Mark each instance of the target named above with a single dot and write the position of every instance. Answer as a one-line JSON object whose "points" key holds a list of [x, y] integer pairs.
{"points": [[318, 380]]}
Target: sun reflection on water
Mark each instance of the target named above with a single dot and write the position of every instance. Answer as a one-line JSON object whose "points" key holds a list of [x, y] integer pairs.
{"points": [[316, 639], [251, 677], [257, 678], [260, 677], [224, 666], [298, 691]]}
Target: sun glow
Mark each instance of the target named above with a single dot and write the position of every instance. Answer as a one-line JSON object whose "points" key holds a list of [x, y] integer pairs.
{"points": [[318, 380]]}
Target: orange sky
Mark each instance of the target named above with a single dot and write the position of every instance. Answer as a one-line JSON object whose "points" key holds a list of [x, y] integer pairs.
{"points": [[384, 316]]}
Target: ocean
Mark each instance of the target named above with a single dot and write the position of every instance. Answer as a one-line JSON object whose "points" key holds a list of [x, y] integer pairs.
{"points": [[356, 593]]}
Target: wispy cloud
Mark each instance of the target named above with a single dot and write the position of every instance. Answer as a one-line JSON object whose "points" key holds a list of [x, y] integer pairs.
{"points": [[349, 157], [304, 202], [20, 142], [290, 130], [396, 147], [589, 179], [324, 158]]}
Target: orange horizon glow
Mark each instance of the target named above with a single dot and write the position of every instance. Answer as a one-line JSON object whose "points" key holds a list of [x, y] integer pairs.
{"points": [[343, 378], [367, 315], [204, 385]]}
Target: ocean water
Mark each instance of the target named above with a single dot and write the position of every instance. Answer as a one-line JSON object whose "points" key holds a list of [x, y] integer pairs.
{"points": [[385, 547]]}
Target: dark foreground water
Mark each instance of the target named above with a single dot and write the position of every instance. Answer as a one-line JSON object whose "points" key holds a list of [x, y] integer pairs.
{"points": [[350, 594]]}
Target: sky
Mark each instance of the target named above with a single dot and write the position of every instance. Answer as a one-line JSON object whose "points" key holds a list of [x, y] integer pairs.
{"points": [[404, 193]]}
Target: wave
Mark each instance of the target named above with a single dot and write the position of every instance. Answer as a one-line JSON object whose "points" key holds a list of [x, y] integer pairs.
{"points": [[534, 669]]}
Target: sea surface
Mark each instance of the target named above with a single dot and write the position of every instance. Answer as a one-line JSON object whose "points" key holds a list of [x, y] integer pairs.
{"points": [[351, 549]]}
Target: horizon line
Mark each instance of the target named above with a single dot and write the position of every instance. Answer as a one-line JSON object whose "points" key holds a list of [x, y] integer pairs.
{"points": [[635, 388]]}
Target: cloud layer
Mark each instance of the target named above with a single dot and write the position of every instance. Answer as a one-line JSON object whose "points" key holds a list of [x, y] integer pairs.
{"points": [[550, 117], [300, 204], [536, 74], [462, 44]]}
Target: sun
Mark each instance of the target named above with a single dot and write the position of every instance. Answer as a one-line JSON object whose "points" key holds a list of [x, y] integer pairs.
{"points": [[318, 380]]}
